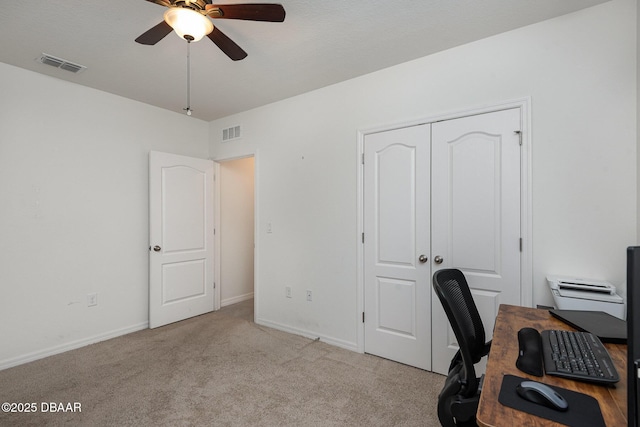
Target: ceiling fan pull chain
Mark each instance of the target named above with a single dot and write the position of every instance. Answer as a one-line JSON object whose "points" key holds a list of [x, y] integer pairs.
{"points": [[188, 109]]}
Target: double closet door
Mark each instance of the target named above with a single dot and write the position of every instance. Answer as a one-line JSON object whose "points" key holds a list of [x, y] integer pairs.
{"points": [[439, 195]]}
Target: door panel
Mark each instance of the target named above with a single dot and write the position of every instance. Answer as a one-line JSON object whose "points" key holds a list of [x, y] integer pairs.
{"points": [[181, 229], [396, 174], [475, 154], [183, 200], [476, 215], [396, 226], [396, 306], [183, 280]]}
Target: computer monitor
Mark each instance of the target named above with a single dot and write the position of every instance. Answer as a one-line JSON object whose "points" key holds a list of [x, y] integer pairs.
{"points": [[633, 335]]}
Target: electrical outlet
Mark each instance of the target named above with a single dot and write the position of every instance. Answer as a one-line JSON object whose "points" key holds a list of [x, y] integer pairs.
{"points": [[287, 291], [92, 299], [309, 296]]}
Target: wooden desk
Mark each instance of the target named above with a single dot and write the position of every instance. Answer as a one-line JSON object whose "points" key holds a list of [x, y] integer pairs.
{"points": [[502, 361]]}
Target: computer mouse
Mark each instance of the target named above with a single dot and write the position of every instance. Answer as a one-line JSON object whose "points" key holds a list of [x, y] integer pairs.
{"points": [[542, 394]]}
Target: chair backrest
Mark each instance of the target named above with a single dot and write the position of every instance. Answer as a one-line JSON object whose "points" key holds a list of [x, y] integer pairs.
{"points": [[454, 294]]}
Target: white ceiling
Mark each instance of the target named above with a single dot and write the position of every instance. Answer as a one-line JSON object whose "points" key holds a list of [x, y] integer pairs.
{"points": [[320, 43]]}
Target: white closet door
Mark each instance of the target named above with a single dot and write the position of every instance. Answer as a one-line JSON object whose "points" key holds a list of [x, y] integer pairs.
{"points": [[396, 233], [476, 215]]}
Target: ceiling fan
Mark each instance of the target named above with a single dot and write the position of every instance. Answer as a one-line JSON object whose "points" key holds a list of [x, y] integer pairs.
{"points": [[198, 12]]}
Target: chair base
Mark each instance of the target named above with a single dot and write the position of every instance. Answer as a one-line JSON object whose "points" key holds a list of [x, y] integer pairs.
{"points": [[457, 411]]}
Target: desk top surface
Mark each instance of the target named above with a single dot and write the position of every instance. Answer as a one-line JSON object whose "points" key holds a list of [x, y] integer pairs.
{"points": [[502, 361]]}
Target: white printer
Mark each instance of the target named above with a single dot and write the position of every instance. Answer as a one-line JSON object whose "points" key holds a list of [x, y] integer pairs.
{"points": [[571, 293]]}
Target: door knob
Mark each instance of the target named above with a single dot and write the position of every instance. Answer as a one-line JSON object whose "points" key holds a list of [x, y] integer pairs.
{"points": [[423, 258], [157, 248], [438, 259]]}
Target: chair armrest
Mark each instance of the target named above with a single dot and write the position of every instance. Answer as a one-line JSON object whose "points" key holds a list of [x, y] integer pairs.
{"points": [[487, 348]]}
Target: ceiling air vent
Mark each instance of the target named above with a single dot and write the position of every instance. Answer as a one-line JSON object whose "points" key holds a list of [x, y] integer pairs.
{"points": [[230, 133], [60, 63]]}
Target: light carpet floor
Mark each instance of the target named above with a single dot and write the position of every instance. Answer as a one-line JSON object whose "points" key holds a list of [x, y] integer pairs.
{"points": [[219, 369]]}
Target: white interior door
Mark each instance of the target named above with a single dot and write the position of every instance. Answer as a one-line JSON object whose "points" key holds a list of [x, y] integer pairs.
{"points": [[476, 215], [181, 238], [396, 235]]}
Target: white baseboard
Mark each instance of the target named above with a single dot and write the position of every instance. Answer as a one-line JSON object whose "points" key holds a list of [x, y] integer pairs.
{"points": [[30, 357], [308, 334], [235, 300]]}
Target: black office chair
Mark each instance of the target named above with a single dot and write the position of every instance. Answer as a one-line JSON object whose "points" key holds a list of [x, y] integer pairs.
{"points": [[458, 399]]}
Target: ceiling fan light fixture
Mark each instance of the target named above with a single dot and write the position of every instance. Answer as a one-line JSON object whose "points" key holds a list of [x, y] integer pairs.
{"points": [[188, 24]]}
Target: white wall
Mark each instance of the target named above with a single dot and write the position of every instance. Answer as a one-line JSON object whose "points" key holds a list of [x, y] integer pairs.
{"points": [[236, 230], [580, 72], [74, 210]]}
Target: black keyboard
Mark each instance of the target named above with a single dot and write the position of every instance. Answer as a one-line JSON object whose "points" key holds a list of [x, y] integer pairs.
{"points": [[577, 355]]}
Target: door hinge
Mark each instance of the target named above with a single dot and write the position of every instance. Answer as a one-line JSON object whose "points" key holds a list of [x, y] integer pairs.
{"points": [[519, 133], [214, 285], [363, 317], [362, 158], [362, 237], [521, 244]]}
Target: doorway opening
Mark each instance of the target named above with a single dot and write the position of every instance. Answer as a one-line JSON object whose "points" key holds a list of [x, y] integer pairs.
{"points": [[235, 236]]}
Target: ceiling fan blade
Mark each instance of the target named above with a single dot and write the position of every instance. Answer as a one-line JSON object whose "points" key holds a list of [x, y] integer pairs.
{"points": [[228, 46], [165, 3], [250, 12], [155, 34]]}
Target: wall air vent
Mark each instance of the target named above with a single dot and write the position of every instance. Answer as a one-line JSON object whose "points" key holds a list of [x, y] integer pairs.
{"points": [[63, 64], [230, 133]]}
